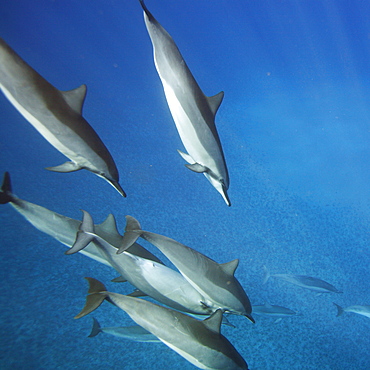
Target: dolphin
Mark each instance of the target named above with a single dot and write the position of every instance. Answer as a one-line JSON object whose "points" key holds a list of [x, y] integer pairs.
{"points": [[199, 342], [193, 112], [57, 116], [308, 282], [135, 333], [153, 279], [360, 310], [63, 228], [216, 282], [272, 310]]}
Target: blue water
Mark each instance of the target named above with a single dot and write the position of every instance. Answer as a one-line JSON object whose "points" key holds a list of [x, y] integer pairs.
{"points": [[295, 128]]}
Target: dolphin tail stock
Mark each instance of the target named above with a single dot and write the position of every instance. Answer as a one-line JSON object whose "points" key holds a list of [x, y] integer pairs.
{"points": [[6, 195], [132, 233], [340, 309], [95, 296], [266, 275], [96, 328]]}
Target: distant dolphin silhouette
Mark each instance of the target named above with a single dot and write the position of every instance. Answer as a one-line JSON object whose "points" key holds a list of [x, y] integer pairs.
{"points": [[199, 342], [360, 310], [193, 112], [308, 282], [272, 310], [134, 333], [57, 116], [64, 229], [216, 282]]}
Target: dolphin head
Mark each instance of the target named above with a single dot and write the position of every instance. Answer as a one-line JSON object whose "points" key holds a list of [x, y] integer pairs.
{"points": [[219, 184]]}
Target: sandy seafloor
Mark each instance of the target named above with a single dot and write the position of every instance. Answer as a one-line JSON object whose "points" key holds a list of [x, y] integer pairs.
{"points": [[295, 128]]}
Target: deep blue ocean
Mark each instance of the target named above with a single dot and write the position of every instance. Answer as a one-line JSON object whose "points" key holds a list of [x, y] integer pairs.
{"points": [[295, 129]]}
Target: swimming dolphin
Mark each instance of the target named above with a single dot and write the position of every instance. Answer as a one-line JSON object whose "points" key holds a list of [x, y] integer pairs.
{"points": [[199, 342], [308, 282], [153, 279], [272, 310], [63, 228], [193, 112], [135, 333], [216, 282], [360, 310], [57, 116]]}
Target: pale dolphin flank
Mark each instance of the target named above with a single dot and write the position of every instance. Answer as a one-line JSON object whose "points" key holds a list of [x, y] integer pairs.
{"points": [[308, 282], [193, 112], [151, 278], [63, 228], [57, 116], [360, 310], [216, 282], [134, 333], [199, 342]]}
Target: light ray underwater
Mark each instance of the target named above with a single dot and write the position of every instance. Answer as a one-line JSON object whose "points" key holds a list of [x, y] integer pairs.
{"points": [[269, 100]]}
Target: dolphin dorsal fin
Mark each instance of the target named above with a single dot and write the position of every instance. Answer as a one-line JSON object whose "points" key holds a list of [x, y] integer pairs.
{"points": [[215, 101], [214, 321], [109, 226], [230, 267], [75, 98]]}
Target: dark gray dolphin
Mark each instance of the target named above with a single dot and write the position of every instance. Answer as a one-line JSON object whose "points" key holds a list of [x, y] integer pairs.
{"points": [[57, 116], [64, 228], [216, 282], [199, 342], [193, 112], [308, 282]]}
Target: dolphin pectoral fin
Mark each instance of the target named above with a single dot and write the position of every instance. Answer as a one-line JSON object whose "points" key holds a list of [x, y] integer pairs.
{"points": [[75, 98], [6, 189], [119, 279], [84, 236], [215, 101], [96, 294], [132, 233], [137, 293], [68, 166], [186, 157], [196, 167]]}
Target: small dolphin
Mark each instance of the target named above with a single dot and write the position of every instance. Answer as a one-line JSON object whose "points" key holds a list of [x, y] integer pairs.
{"points": [[193, 112], [272, 310], [216, 282], [308, 282], [63, 228], [153, 279], [135, 333], [199, 342], [57, 116], [360, 310]]}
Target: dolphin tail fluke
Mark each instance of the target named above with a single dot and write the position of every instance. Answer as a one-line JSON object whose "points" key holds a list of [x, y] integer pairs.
{"points": [[96, 328], [340, 309], [95, 296], [132, 233], [266, 275], [85, 234], [6, 195]]}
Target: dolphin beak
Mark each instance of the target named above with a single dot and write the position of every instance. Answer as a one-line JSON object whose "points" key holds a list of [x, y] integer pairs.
{"points": [[117, 186]]}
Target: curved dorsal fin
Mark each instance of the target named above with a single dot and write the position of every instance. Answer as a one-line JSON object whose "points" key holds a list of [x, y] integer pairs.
{"points": [[215, 101], [75, 98], [214, 321], [230, 267]]}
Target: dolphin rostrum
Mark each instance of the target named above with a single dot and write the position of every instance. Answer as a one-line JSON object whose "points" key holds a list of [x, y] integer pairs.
{"points": [[216, 282], [360, 310], [57, 116], [193, 112], [199, 342], [308, 282], [151, 278], [135, 333], [63, 228]]}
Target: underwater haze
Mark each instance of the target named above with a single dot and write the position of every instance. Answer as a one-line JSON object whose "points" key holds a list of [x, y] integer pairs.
{"points": [[295, 129]]}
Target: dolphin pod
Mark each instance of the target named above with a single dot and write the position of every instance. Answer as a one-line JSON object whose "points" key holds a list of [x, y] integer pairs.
{"points": [[216, 282], [193, 112], [199, 342], [57, 116]]}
